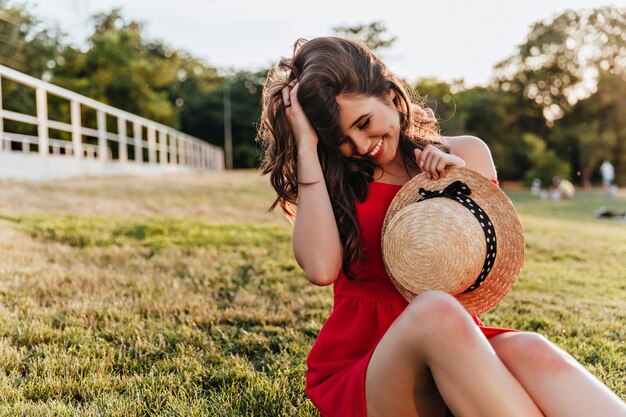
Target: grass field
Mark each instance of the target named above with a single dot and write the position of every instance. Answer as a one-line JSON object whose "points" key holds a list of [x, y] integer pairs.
{"points": [[180, 296]]}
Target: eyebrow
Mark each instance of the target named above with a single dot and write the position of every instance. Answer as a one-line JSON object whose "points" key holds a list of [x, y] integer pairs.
{"points": [[361, 117]]}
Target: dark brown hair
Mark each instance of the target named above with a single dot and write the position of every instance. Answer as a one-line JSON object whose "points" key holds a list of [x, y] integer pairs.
{"points": [[326, 68]]}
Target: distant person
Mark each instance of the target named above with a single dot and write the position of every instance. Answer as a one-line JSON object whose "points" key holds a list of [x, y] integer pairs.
{"points": [[562, 189], [535, 187], [341, 136], [608, 174]]}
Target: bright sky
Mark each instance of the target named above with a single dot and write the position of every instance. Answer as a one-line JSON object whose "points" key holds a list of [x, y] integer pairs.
{"points": [[447, 39]]}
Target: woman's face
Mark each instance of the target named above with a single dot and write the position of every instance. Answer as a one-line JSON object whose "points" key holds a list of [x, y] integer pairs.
{"points": [[371, 127]]}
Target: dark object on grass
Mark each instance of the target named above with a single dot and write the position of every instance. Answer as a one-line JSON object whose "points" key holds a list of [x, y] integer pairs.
{"points": [[606, 213]]}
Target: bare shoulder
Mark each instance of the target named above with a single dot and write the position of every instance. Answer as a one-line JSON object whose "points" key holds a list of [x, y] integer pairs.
{"points": [[475, 152]]}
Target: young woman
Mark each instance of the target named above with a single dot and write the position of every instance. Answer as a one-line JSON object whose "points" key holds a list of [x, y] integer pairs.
{"points": [[341, 136]]}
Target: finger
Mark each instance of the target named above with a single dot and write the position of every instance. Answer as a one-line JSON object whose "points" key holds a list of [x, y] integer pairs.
{"points": [[418, 158], [430, 161], [431, 165], [293, 97], [286, 97], [437, 162], [417, 153], [423, 154], [441, 167], [424, 157]]}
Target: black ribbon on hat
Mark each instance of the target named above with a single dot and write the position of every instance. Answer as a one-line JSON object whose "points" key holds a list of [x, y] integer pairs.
{"points": [[459, 191]]}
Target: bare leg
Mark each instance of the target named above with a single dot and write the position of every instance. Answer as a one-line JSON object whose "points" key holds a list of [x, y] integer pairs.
{"points": [[434, 352], [559, 385]]}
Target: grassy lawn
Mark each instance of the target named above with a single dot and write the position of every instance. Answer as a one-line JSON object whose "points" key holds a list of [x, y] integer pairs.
{"points": [[180, 296]]}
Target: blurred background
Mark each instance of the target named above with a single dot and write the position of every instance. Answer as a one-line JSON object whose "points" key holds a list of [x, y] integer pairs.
{"points": [[543, 85]]}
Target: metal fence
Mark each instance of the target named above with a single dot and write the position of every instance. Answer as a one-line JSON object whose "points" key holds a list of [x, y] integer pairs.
{"points": [[118, 137]]}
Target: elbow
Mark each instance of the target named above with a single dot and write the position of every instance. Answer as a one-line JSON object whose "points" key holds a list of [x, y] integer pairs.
{"points": [[323, 275], [322, 279]]}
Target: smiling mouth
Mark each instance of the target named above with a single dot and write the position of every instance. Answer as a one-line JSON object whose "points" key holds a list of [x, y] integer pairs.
{"points": [[376, 149]]}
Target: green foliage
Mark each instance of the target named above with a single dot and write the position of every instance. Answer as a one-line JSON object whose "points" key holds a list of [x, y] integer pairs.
{"points": [[545, 164], [122, 69], [203, 114], [439, 96], [25, 44], [559, 54], [499, 118], [196, 94], [545, 72], [372, 34], [595, 129], [494, 117]]}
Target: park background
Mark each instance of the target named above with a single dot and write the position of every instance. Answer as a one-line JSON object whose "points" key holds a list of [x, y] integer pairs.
{"points": [[554, 106], [180, 296]]}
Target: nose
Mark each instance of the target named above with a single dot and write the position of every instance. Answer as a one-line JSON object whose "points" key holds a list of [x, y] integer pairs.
{"points": [[362, 143]]}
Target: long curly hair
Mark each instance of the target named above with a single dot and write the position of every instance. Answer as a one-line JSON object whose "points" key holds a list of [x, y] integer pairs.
{"points": [[327, 67]]}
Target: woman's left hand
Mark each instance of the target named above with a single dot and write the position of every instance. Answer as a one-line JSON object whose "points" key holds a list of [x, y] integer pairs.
{"points": [[433, 161]]}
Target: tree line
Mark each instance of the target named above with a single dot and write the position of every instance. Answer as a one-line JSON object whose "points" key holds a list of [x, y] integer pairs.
{"points": [[554, 107]]}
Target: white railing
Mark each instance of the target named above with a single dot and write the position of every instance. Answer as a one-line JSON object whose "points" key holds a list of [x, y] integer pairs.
{"points": [[133, 134]]}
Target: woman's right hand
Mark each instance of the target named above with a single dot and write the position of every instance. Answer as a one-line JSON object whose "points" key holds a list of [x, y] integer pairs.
{"points": [[305, 134], [433, 161]]}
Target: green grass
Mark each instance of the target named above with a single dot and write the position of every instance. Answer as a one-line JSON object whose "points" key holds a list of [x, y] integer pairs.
{"points": [[200, 309], [579, 208]]}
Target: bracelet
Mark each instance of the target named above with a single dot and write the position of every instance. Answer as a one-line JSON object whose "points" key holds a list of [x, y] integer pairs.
{"points": [[308, 183]]}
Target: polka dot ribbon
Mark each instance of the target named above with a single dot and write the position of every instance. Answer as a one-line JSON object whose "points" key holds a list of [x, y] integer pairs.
{"points": [[459, 191]]}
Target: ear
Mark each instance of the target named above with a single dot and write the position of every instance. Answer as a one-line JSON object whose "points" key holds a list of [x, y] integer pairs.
{"points": [[391, 95]]}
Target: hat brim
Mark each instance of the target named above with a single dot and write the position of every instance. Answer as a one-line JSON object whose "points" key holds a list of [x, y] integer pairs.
{"points": [[510, 251]]}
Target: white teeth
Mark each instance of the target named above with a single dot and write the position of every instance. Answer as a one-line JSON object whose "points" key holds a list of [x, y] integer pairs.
{"points": [[376, 148]]}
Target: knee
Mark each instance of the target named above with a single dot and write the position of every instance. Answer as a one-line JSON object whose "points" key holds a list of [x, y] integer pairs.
{"points": [[532, 351], [439, 314]]}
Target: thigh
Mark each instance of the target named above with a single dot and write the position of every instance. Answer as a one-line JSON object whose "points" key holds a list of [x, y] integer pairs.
{"points": [[529, 355], [434, 351], [558, 384], [399, 381], [397, 378]]}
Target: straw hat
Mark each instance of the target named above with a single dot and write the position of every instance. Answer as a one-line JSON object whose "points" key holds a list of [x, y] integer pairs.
{"points": [[459, 234]]}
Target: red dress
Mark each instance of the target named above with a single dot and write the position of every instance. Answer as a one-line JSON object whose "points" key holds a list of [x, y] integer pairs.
{"points": [[362, 313]]}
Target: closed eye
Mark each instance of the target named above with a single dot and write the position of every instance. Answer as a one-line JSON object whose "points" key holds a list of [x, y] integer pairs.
{"points": [[364, 125]]}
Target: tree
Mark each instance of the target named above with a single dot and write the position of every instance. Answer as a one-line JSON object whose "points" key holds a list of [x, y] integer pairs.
{"points": [[560, 60], [545, 163], [372, 34], [438, 95], [25, 45], [595, 129], [122, 69], [202, 115], [28, 47], [499, 118], [195, 94]]}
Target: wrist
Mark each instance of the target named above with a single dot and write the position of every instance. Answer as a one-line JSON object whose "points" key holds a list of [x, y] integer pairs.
{"points": [[306, 151]]}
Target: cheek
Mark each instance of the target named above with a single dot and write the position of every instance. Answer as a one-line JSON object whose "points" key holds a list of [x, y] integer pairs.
{"points": [[345, 149], [392, 121], [395, 121]]}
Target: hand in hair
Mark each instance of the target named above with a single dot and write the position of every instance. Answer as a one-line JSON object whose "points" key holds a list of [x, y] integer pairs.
{"points": [[304, 133], [433, 161]]}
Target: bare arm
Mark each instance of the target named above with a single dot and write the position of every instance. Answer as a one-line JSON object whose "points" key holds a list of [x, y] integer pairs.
{"points": [[315, 241], [316, 244], [475, 153]]}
